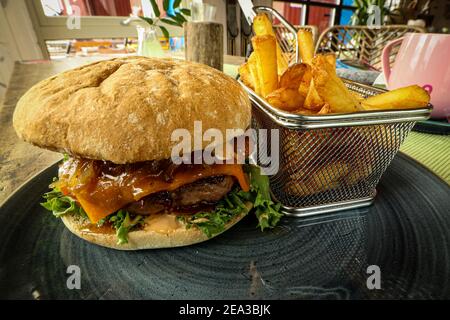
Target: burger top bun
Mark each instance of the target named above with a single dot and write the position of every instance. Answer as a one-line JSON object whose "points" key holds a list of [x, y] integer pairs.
{"points": [[124, 110]]}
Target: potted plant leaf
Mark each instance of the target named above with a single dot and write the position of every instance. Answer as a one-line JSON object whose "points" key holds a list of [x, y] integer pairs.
{"points": [[148, 42]]}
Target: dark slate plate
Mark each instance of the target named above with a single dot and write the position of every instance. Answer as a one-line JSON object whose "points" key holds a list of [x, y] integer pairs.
{"points": [[406, 233], [433, 127]]}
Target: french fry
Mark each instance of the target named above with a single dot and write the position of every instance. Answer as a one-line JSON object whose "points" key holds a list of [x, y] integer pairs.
{"points": [[410, 97], [313, 101], [305, 112], [357, 96], [326, 61], [252, 65], [326, 178], [333, 91], [330, 58], [305, 45], [293, 76], [325, 109], [329, 175], [359, 173], [306, 81], [307, 88], [266, 62], [262, 26], [287, 99], [246, 76], [324, 67], [311, 87]]}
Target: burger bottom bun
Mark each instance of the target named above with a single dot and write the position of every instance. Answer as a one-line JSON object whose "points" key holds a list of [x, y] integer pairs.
{"points": [[145, 238]]}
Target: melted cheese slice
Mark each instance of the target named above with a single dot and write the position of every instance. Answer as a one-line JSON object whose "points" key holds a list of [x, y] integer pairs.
{"points": [[107, 195]]}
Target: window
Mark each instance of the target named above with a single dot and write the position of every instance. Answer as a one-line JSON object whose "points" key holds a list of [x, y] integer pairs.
{"points": [[293, 12], [346, 16], [322, 17], [321, 13], [120, 8], [99, 21]]}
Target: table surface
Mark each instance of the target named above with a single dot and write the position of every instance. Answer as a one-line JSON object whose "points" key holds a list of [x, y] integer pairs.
{"points": [[19, 161]]}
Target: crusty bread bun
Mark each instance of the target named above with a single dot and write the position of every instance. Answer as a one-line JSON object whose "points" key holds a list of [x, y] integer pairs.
{"points": [[155, 234], [124, 110]]}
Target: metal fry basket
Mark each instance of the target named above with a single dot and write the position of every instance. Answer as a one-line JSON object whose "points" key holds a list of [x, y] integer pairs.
{"points": [[329, 162]]}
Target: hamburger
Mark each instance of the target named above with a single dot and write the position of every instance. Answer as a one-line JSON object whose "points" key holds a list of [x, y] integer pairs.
{"points": [[118, 185]]}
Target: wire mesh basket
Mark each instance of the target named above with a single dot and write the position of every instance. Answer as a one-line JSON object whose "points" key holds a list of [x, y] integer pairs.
{"points": [[330, 162]]}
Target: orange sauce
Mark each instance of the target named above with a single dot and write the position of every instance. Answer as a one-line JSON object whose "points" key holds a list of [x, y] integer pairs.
{"points": [[104, 229], [102, 189], [162, 223]]}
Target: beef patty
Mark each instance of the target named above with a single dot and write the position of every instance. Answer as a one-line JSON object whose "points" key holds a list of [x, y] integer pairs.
{"points": [[201, 192]]}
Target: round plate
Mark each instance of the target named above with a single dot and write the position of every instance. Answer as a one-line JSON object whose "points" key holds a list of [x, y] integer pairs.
{"points": [[401, 243]]}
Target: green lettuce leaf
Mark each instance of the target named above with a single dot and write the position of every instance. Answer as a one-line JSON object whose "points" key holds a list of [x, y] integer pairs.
{"points": [[122, 222], [212, 223], [60, 204], [267, 212]]}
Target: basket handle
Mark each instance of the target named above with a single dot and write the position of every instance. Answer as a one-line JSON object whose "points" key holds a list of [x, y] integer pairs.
{"points": [[385, 58]]}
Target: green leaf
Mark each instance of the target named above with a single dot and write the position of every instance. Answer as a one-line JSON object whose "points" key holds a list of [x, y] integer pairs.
{"points": [[60, 204], [165, 31], [259, 181], [176, 4], [122, 222], [186, 12], [180, 18], [171, 22], [155, 8], [212, 223], [148, 20], [166, 5], [177, 18], [267, 212]]}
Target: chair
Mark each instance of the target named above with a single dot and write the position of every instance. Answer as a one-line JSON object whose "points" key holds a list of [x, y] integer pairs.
{"points": [[362, 44]]}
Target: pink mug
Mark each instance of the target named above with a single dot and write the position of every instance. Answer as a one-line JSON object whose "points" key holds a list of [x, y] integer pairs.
{"points": [[423, 59]]}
